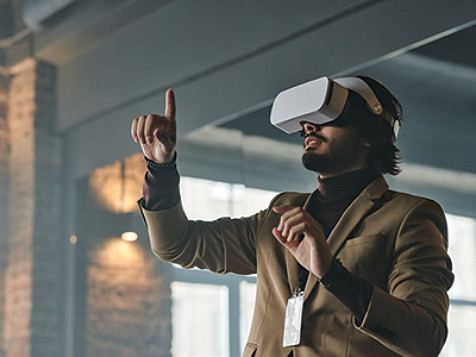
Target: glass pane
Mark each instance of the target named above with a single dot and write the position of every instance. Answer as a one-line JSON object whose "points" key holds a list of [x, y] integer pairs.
{"points": [[247, 302], [462, 325], [200, 325], [206, 200], [255, 200], [462, 249]]}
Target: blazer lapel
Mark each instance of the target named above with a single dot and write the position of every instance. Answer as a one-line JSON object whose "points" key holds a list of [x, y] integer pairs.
{"points": [[357, 210]]}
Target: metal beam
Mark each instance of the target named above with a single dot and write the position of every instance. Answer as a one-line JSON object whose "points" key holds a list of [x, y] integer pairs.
{"points": [[98, 107]]}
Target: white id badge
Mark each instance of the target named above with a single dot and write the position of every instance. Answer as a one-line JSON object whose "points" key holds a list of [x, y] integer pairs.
{"points": [[292, 322]]}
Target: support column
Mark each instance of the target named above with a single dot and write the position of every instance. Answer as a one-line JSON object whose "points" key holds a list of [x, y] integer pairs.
{"points": [[33, 284], [4, 183]]}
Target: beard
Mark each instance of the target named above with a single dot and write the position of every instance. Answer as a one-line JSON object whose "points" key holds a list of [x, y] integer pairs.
{"points": [[340, 154]]}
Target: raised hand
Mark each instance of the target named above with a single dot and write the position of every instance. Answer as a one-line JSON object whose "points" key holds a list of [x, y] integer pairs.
{"points": [[312, 252], [157, 134]]}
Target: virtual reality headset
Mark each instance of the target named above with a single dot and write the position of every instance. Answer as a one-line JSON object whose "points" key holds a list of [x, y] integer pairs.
{"points": [[321, 101]]}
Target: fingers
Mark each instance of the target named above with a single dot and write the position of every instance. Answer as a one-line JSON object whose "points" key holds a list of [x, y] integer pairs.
{"points": [[283, 209], [290, 243], [277, 234], [144, 129], [313, 253], [289, 215], [150, 126], [293, 223], [170, 104], [134, 130], [138, 129]]}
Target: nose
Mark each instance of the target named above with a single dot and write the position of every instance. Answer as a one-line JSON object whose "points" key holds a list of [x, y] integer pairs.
{"points": [[309, 128]]}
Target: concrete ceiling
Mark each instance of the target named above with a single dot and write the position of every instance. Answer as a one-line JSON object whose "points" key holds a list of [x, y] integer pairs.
{"points": [[228, 59]]}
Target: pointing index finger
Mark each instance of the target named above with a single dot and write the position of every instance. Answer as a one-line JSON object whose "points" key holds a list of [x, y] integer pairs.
{"points": [[170, 104]]}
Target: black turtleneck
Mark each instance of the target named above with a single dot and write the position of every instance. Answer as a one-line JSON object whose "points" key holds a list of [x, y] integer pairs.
{"points": [[335, 194], [327, 204]]}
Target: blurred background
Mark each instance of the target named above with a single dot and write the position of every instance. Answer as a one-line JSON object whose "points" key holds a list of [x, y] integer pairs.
{"points": [[73, 75]]}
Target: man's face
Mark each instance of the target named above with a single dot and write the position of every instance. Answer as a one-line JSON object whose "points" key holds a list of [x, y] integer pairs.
{"points": [[332, 150]]}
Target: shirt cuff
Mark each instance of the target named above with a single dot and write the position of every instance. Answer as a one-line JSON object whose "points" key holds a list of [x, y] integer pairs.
{"points": [[161, 186]]}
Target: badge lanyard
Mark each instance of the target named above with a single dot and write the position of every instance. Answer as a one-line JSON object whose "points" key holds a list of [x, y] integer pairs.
{"points": [[293, 318]]}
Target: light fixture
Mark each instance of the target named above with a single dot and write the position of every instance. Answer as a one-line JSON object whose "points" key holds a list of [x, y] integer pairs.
{"points": [[117, 186], [73, 239], [129, 236]]}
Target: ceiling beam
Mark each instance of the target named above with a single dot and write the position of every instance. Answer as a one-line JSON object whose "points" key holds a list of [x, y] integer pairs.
{"points": [[208, 91]]}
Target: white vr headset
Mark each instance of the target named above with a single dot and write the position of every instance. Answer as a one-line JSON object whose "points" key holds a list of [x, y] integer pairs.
{"points": [[321, 101]]}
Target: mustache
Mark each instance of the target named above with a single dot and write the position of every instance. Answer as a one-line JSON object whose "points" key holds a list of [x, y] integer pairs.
{"points": [[316, 135]]}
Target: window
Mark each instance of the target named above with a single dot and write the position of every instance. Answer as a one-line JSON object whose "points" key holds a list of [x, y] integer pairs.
{"points": [[200, 319], [211, 314], [462, 314], [205, 199], [247, 303], [462, 241]]}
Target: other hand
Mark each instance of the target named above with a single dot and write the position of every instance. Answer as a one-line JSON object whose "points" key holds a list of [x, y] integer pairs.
{"points": [[312, 252]]}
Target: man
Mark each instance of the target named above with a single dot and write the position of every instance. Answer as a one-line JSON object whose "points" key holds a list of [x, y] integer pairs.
{"points": [[353, 269]]}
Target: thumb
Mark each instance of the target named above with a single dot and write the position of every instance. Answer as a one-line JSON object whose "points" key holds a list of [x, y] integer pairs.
{"points": [[170, 104]]}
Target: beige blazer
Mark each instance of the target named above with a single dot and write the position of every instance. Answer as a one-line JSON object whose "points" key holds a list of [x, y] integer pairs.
{"points": [[396, 241]]}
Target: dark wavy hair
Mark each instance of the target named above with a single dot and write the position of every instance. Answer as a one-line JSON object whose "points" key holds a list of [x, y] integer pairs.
{"points": [[384, 156]]}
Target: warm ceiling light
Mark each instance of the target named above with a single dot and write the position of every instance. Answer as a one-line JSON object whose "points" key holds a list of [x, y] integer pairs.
{"points": [[117, 186], [129, 236], [73, 239]]}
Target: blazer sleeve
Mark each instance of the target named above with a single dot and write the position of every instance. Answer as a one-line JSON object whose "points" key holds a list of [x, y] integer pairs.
{"points": [[222, 246], [410, 318]]}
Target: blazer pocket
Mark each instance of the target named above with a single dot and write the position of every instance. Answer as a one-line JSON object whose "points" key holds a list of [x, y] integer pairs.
{"points": [[367, 256], [366, 239]]}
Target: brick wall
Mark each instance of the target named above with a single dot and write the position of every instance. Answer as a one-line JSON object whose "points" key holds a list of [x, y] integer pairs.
{"points": [[122, 294], [32, 286], [125, 310], [128, 311], [18, 297]]}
